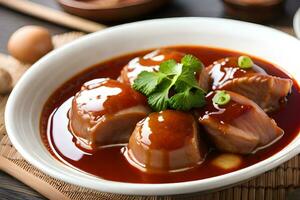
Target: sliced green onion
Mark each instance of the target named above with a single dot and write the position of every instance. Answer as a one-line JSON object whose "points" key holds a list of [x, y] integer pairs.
{"points": [[221, 98], [245, 62]]}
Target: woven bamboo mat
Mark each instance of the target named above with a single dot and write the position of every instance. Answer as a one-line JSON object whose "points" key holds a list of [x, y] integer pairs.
{"points": [[272, 185]]}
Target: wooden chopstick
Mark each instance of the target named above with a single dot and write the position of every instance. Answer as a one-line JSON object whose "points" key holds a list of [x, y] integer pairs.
{"points": [[29, 179], [55, 16]]}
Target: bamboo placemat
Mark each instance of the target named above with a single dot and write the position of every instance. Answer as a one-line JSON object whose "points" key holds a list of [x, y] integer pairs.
{"points": [[272, 185]]}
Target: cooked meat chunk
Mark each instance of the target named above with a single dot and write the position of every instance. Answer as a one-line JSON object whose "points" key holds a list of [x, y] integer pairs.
{"points": [[166, 141], [105, 112], [240, 126], [204, 80], [149, 62], [265, 90]]}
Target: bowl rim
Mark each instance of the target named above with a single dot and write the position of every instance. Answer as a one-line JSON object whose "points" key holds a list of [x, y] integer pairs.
{"points": [[296, 23], [145, 189]]}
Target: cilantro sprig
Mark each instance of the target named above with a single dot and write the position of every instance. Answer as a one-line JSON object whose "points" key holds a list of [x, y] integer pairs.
{"points": [[174, 86]]}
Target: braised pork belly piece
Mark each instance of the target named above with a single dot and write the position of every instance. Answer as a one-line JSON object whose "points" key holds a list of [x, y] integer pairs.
{"points": [[204, 80], [105, 112], [238, 125], [166, 141], [250, 81], [149, 62]]}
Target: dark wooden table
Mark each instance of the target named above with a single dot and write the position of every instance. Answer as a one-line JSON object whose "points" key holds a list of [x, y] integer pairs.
{"points": [[10, 20]]}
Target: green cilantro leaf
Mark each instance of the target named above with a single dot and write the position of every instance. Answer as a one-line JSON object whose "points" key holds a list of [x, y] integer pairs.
{"points": [[188, 77], [192, 62], [187, 100], [169, 67], [147, 81], [181, 86], [159, 100], [174, 86]]}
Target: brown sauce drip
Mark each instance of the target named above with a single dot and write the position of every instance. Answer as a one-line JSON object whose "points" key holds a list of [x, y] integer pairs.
{"points": [[109, 163], [167, 130]]}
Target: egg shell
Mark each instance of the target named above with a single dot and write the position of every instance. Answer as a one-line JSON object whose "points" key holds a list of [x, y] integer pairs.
{"points": [[29, 43]]}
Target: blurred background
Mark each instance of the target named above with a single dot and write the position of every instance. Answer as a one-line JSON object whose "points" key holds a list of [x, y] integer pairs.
{"points": [[278, 13]]}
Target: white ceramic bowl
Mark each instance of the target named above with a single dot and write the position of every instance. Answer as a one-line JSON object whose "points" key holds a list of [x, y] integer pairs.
{"points": [[296, 23], [27, 99]]}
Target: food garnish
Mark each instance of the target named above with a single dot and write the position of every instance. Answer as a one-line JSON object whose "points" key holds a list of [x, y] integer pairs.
{"points": [[221, 98], [245, 62], [173, 86]]}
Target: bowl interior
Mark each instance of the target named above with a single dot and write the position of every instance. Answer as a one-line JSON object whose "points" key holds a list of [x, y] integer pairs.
{"points": [[41, 80]]}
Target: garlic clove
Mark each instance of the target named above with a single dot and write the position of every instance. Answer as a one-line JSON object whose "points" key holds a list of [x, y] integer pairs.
{"points": [[227, 161], [5, 81]]}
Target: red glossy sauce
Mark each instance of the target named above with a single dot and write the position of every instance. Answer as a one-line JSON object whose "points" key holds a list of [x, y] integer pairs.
{"points": [[110, 164], [226, 113]]}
